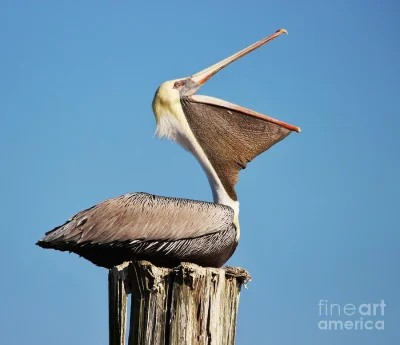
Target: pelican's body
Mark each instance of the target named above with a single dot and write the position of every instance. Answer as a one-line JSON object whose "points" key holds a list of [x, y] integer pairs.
{"points": [[224, 138], [118, 230]]}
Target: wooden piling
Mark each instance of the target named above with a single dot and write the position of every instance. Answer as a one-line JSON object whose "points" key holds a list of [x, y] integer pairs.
{"points": [[186, 305]]}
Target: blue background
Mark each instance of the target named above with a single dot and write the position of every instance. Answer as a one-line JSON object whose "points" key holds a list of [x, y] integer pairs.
{"points": [[319, 211]]}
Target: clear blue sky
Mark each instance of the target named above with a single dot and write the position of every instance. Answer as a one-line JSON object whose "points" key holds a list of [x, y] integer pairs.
{"points": [[319, 211]]}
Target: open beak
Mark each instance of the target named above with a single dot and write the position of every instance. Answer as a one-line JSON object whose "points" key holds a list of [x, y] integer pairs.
{"points": [[201, 77]]}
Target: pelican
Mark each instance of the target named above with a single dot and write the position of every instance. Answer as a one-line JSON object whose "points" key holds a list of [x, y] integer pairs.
{"points": [[223, 137]]}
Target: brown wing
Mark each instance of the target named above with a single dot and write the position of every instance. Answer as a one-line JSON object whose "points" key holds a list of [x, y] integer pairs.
{"points": [[231, 136], [141, 217]]}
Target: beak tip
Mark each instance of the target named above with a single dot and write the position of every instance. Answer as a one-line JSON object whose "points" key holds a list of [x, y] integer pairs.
{"points": [[282, 31]]}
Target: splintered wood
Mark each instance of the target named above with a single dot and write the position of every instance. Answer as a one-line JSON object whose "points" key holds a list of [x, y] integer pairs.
{"points": [[186, 305]]}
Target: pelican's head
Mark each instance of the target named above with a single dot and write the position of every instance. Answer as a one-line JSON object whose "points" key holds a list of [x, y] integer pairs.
{"points": [[168, 96]]}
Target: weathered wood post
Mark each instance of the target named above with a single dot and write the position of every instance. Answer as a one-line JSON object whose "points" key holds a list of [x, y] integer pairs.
{"points": [[186, 305]]}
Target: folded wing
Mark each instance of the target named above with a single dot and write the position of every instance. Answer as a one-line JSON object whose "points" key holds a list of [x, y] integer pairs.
{"points": [[141, 217]]}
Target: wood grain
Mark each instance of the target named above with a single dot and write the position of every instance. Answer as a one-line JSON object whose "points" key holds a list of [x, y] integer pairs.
{"points": [[189, 304]]}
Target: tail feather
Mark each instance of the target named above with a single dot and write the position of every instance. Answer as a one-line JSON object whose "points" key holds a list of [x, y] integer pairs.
{"points": [[55, 238]]}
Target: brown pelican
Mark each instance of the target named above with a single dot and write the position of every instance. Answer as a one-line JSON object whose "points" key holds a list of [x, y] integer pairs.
{"points": [[166, 231]]}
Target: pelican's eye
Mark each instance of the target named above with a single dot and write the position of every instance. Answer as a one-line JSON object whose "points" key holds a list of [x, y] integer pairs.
{"points": [[178, 84]]}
